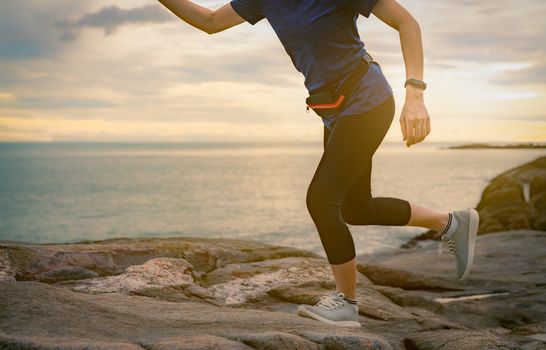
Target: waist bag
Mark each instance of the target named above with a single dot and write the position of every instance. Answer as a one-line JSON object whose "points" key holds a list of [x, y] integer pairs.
{"points": [[329, 101]]}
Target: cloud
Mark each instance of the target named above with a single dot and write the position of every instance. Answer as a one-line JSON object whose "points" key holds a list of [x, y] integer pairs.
{"points": [[111, 18], [481, 31], [6, 96], [26, 28], [535, 74], [480, 57]]}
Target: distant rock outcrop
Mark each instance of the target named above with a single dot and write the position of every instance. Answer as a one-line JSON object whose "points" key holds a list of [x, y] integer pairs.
{"points": [[502, 146], [515, 199]]}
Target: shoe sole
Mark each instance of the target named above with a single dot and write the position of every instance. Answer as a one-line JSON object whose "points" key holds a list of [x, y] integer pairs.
{"points": [[302, 311], [473, 222]]}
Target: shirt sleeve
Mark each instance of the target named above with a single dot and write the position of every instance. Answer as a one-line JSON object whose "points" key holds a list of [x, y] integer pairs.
{"points": [[364, 7], [249, 10]]}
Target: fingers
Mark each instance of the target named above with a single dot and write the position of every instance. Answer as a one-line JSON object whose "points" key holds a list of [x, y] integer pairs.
{"points": [[419, 136], [409, 133], [424, 129], [428, 126], [416, 130], [414, 122], [403, 127], [421, 132]]}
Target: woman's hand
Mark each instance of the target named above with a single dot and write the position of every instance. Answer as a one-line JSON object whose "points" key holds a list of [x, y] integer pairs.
{"points": [[414, 119]]}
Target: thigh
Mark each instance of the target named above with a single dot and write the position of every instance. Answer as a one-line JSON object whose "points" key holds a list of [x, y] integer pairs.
{"points": [[359, 194], [350, 146], [348, 150], [339, 166]]}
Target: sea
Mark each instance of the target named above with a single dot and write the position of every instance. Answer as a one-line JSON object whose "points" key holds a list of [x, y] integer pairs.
{"points": [[65, 192]]}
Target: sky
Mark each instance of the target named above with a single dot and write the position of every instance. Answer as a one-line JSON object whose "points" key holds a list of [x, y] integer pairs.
{"points": [[123, 70]]}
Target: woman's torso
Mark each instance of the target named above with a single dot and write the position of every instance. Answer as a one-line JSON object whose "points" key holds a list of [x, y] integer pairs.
{"points": [[321, 37]]}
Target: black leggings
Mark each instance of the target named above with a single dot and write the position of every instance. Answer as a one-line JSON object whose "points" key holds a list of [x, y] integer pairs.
{"points": [[340, 191]]}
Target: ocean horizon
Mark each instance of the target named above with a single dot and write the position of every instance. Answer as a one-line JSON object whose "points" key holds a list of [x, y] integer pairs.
{"points": [[65, 192]]}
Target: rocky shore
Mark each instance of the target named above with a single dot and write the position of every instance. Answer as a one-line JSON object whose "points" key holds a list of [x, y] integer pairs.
{"points": [[503, 146], [196, 293], [513, 200]]}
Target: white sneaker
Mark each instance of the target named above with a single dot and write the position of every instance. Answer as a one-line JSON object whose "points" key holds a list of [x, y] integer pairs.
{"points": [[462, 241], [332, 309]]}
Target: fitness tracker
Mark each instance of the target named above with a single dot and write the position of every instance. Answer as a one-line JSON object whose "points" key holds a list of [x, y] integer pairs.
{"points": [[416, 82]]}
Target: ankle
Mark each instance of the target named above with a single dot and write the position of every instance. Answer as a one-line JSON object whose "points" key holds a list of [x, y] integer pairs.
{"points": [[351, 301], [441, 222], [451, 227], [351, 296]]}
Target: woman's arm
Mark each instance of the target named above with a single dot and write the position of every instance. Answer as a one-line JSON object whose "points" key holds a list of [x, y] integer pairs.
{"points": [[209, 21], [414, 118]]}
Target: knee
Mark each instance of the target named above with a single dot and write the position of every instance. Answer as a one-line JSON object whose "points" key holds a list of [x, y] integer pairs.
{"points": [[361, 214], [319, 204], [313, 200], [350, 217]]}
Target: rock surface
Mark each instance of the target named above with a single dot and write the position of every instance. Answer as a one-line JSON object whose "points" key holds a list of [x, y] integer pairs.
{"points": [[154, 273], [456, 340], [189, 293], [505, 290]]}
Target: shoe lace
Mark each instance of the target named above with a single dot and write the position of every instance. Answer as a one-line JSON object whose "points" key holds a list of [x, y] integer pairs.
{"points": [[330, 302], [450, 244]]}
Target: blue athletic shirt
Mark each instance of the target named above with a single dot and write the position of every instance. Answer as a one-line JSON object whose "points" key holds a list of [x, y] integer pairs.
{"points": [[322, 40]]}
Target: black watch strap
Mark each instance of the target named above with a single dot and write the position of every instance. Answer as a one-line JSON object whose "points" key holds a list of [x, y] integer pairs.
{"points": [[416, 82]]}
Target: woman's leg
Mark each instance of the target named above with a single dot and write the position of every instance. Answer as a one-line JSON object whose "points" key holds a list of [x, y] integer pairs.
{"points": [[360, 208], [354, 146], [347, 154], [424, 217]]}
